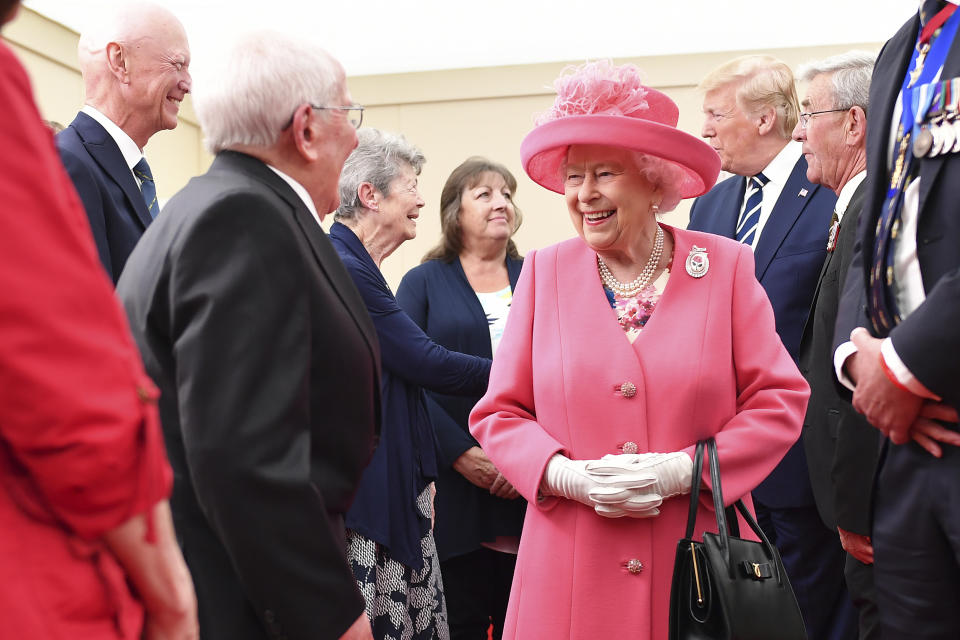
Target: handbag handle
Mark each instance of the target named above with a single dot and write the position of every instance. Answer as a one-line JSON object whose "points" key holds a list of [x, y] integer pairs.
{"points": [[725, 517]]}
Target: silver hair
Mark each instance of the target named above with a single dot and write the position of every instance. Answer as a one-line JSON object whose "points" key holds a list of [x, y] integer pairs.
{"points": [[254, 88], [850, 77], [378, 159]]}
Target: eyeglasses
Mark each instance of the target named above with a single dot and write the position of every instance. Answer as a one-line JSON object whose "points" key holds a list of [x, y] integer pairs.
{"points": [[355, 120], [805, 117]]}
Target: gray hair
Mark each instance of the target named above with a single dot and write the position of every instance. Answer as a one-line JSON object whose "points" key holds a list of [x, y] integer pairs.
{"points": [[850, 71], [257, 86], [378, 159]]}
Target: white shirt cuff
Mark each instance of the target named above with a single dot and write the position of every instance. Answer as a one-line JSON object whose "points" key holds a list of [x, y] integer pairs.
{"points": [[903, 375], [843, 352]]}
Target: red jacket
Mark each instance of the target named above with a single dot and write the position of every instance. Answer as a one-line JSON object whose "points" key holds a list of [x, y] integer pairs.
{"points": [[80, 444]]}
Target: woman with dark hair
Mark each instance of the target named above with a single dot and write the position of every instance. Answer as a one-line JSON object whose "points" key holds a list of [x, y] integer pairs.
{"points": [[460, 297]]}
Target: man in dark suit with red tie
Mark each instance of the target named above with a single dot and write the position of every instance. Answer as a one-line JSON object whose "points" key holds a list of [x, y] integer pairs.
{"points": [[841, 447], [750, 110], [135, 74], [898, 329]]}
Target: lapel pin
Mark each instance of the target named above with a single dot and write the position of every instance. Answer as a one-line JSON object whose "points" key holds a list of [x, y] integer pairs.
{"points": [[697, 262], [802, 194]]}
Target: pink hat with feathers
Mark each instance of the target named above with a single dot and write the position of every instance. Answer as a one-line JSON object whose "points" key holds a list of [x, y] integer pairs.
{"points": [[598, 103]]}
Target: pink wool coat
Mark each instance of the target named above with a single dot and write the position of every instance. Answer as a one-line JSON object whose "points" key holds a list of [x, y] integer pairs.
{"points": [[708, 363]]}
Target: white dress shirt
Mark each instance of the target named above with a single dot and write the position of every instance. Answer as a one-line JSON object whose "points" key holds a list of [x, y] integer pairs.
{"points": [[128, 148], [777, 172]]}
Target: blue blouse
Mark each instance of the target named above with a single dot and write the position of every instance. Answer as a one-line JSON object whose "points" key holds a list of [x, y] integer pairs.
{"points": [[439, 298], [385, 507]]}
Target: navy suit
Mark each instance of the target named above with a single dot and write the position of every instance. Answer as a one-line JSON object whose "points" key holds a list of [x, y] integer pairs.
{"points": [[916, 530], [789, 256], [110, 194]]}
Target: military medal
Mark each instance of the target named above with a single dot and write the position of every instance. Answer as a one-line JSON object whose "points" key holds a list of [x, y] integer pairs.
{"points": [[697, 262], [832, 237]]}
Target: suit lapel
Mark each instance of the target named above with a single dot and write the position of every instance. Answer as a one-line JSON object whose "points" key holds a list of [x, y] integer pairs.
{"points": [[105, 152], [785, 212]]}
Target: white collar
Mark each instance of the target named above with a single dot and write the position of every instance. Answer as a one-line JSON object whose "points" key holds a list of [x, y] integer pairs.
{"points": [[846, 193], [131, 152], [780, 168], [299, 190]]}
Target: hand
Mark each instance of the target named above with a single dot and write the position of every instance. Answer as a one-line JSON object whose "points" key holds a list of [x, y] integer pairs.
{"points": [[889, 408], [359, 630], [857, 545], [474, 465], [672, 472], [928, 433], [502, 488], [610, 495]]}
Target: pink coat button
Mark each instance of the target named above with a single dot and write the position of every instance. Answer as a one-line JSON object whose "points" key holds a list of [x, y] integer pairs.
{"points": [[634, 566], [630, 447], [628, 389]]}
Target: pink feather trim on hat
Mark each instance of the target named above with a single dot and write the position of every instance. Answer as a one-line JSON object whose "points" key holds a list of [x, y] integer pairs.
{"points": [[597, 88]]}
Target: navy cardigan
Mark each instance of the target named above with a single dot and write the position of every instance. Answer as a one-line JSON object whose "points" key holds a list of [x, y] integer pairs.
{"points": [[438, 297], [385, 507]]}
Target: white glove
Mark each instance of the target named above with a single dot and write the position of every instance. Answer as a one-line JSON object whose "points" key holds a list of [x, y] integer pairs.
{"points": [[611, 495], [672, 472]]}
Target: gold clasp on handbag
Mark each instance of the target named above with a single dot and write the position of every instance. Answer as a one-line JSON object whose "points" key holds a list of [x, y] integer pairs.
{"points": [[696, 574], [756, 570]]}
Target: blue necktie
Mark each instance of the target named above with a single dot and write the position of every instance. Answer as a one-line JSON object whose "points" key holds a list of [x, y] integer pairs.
{"points": [[747, 224], [147, 187]]}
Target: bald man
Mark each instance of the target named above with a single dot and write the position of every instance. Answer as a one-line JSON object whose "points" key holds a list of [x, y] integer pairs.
{"points": [[135, 74]]}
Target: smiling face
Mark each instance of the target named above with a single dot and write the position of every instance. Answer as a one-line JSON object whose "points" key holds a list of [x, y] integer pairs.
{"points": [[158, 78], [608, 200], [823, 137], [731, 132], [400, 207], [486, 210]]}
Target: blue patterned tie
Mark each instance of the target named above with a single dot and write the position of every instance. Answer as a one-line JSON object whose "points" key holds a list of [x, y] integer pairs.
{"points": [[747, 224], [147, 187]]}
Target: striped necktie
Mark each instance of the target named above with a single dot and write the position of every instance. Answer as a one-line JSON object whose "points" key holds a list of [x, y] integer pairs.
{"points": [[750, 217], [148, 189]]}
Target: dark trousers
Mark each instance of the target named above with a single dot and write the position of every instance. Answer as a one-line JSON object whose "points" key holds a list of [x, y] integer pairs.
{"points": [[814, 560], [863, 593], [477, 589], [916, 543]]}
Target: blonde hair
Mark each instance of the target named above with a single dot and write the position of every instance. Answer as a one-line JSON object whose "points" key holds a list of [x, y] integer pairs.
{"points": [[763, 81]]}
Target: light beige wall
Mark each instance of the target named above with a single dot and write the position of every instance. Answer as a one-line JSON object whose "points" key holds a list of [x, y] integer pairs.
{"points": [[49, 52], [450, 115]]}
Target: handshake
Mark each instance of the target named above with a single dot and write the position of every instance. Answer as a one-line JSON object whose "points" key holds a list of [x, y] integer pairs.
{"points": [[630, 484]]}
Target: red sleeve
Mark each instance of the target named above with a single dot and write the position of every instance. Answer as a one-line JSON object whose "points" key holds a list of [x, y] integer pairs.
{"points": [[78, 418]]}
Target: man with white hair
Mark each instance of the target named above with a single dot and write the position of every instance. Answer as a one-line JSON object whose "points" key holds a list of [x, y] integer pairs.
{"points": [[135, 74], [842, 448], [266, 358], [750, 109]]}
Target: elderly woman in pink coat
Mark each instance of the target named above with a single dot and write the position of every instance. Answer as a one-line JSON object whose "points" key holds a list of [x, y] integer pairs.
{"points": [[624, 347]]}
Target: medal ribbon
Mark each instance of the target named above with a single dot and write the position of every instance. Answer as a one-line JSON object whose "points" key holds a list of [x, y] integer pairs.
{"points": [[915, 103]]}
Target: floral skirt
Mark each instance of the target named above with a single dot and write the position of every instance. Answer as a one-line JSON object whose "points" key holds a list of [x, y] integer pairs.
{"points": [[402, 604]]}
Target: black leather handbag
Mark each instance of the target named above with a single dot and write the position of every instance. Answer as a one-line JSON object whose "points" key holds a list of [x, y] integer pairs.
{"points": [[725, 587]]}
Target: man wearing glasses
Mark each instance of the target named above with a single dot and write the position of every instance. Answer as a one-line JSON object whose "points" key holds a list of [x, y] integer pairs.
{"points": [[266, 358], [750, 110], [841, 446]]}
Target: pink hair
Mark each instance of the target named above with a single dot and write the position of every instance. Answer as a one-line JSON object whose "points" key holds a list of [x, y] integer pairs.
{"points": [[597, 88]]}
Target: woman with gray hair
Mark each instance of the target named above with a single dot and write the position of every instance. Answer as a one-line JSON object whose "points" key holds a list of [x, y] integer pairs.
{"points": [[390, 543]]}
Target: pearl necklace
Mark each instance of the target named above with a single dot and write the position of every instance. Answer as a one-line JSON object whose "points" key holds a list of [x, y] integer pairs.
{"points": [[638, 284]]}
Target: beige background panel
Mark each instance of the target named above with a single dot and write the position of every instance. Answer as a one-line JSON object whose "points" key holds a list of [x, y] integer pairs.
{"points": [[450, 115]]}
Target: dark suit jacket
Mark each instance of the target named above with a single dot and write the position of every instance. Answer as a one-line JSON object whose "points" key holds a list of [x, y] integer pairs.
{"points": [[439, 298], [928, 340], [110, 195], [405, 462], [788, 257], [841, 446], [268, 367]]}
